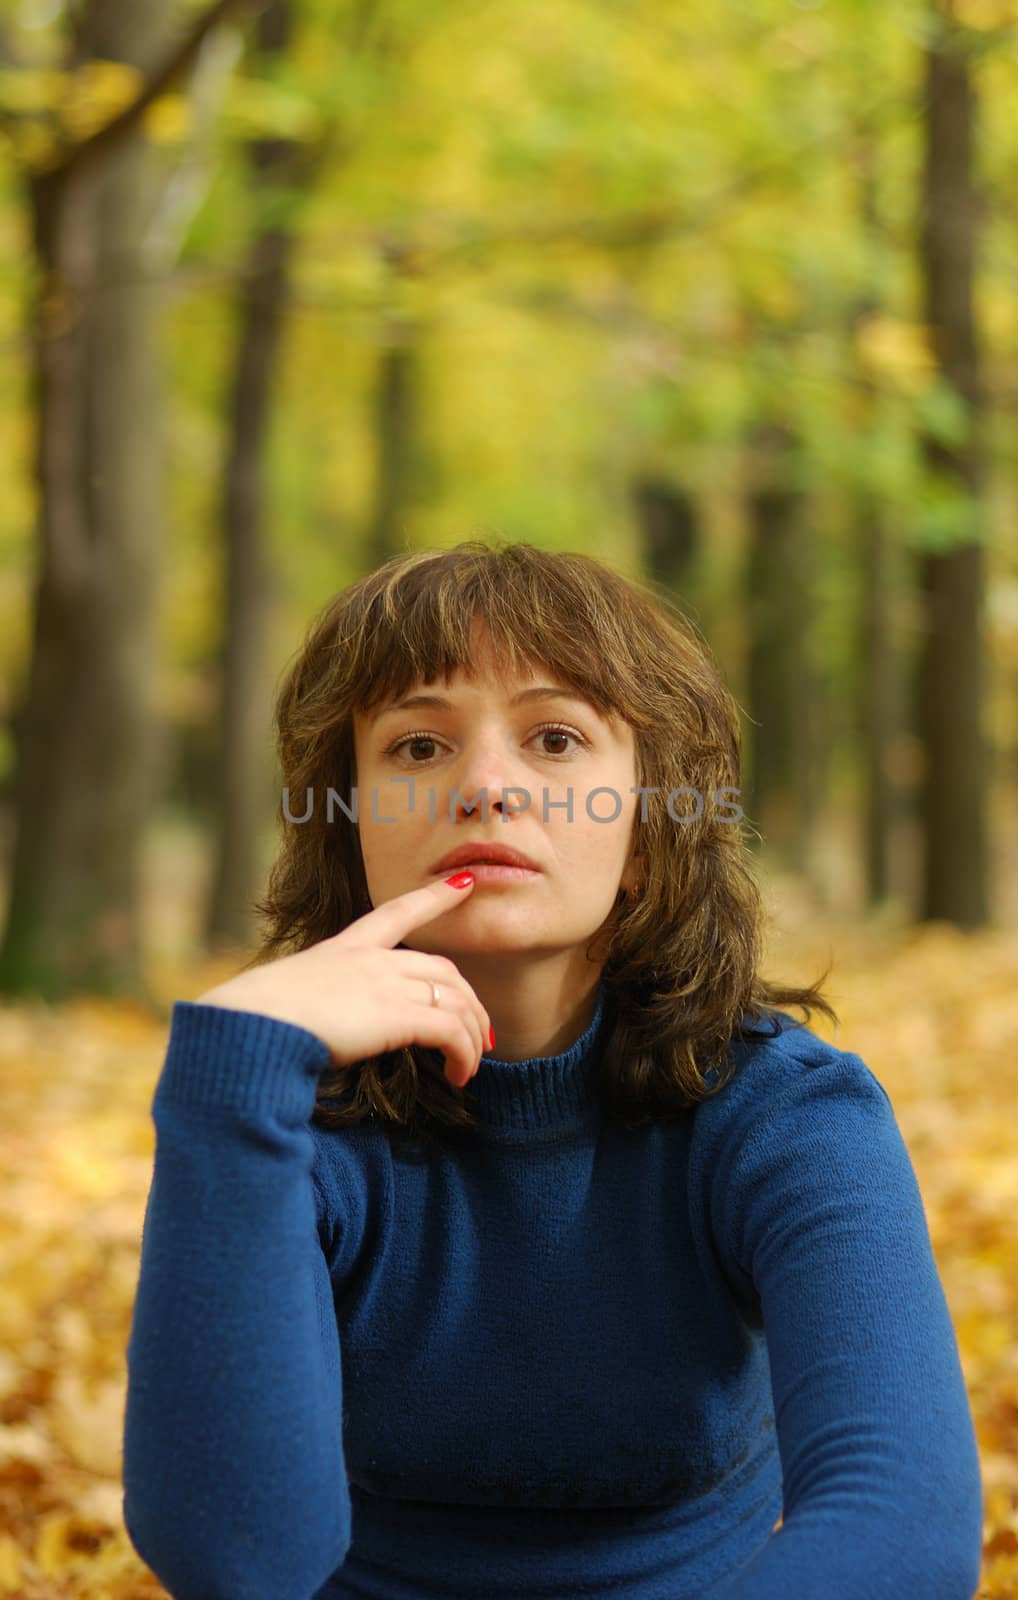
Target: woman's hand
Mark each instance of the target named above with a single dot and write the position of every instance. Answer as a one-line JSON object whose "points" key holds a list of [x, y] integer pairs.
{"points": [[362, 996]]}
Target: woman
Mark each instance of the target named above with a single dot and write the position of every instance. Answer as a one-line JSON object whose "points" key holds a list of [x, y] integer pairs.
{"points": [[505, 1236]]}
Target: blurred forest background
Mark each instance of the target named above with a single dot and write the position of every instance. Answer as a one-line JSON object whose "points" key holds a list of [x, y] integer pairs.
{"points": [[725, 295]]}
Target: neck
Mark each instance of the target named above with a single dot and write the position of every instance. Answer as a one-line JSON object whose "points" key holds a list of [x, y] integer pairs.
{"points": [[542, 1097], [536, 1009]]}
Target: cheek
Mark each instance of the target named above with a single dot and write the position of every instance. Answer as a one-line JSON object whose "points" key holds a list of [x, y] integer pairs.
{"points": [[384, 843], [601, 844]]}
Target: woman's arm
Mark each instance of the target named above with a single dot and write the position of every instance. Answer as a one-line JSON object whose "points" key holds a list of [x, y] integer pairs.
{"points": [[822, 1218], [235, 1482]]}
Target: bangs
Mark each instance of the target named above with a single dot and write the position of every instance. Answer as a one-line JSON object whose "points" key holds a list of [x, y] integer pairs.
{"points": [[418, 626]]}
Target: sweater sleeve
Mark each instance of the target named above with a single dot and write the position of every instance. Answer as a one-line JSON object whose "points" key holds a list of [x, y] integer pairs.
{"points": [[824, 1229], [234, 1476]]}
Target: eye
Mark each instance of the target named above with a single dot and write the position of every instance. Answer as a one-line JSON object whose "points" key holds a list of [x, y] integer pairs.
{"points": [[410, 738], [559, 731], [546, 731]]}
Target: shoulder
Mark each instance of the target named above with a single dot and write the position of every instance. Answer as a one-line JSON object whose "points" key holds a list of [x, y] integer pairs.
{"points": [[787, 1076]]}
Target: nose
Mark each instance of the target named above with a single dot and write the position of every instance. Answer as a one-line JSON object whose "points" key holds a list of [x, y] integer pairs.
{"points": [[482, 781]]}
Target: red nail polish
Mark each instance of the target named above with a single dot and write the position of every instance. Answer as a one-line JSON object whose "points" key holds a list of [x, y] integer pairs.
{"points": [[460, 880], [491, 1037]]}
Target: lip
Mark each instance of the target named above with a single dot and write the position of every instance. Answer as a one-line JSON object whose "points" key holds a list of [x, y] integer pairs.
{"points": [[481, 853], [499, 872]]}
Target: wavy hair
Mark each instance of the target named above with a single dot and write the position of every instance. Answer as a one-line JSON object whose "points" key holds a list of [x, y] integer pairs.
{"points": [[681, 960]]}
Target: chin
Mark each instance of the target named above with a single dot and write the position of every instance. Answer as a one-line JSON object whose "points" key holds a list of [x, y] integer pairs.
{"points": [[483, 941]]}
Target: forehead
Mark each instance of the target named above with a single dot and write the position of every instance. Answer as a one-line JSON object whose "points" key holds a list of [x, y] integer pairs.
{"points": [[514, 689]]}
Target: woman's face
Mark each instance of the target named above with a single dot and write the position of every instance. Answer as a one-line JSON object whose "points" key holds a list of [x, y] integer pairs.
{"points": [[485, 737]]}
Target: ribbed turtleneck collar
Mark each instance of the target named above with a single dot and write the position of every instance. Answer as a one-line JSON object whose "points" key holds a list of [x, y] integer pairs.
{"points": [[544, 1095]]}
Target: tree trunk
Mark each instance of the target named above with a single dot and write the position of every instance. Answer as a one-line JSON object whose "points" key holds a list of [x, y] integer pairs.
{"points": [[951, 668], [784, 745], [668, 523], [880, 713], [245, 744], [877, 703], [85, 738], [399, 461]]}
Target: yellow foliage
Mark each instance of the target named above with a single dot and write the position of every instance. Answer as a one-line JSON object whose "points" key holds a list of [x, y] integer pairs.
{"points": [[986, 13], [168, 119], [10, 1565], [28, 89], [898, 350], [33, 140], [96, 93]]}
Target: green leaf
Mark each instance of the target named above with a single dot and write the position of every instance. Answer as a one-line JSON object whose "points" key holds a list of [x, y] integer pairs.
{"points": [[943, 414], [948, 515]]}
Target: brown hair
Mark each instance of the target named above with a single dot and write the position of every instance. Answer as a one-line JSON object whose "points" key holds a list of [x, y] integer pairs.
{"points": [[680, 967]]}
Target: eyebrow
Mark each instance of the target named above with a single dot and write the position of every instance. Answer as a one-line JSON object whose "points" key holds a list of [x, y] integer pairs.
{"points": [[437, 702]]}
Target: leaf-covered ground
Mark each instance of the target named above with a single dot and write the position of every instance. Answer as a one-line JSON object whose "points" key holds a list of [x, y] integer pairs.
{"points": [[934, 1013]]}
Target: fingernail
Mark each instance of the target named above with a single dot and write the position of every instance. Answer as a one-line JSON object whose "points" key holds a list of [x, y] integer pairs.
{"points": [[491, 1037], [460, 880]]}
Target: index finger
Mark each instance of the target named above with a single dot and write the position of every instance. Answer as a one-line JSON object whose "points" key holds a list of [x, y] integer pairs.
{"points": [[387, 924]]}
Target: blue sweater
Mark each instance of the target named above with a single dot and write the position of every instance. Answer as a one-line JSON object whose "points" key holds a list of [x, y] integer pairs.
{"points": [[565, 1361]]}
